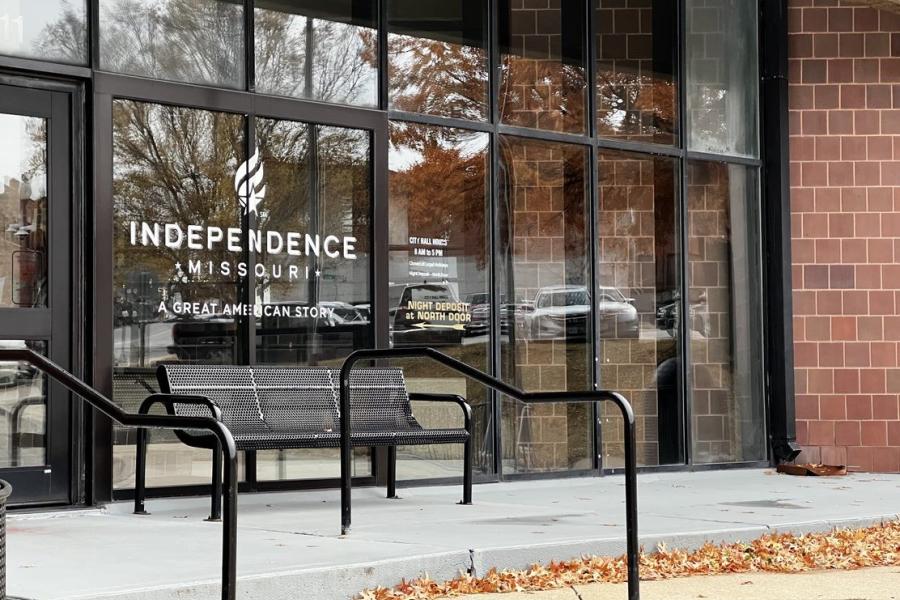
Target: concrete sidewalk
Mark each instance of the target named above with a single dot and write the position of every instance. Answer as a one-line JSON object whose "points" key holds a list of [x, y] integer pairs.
{"points": [[289, 547], [866, 584]]}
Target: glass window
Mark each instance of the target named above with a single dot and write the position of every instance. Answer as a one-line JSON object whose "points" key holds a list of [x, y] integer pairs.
{"points": [[543, 82], [438, 58], [23, 400], [197, 41], [318, 182], [315, 181], [175, 209], [724, 313], [318, 49], [636, 89], [439, 288], [544, 269], [722, 76], [53, 30], [23, 210], [637, 308]]}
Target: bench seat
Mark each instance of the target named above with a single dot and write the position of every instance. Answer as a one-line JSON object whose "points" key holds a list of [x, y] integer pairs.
{"points": [[280, 408], [274, 440]]}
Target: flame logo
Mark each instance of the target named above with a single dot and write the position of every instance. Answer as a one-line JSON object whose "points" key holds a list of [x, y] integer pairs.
{"points": [[247, 182]]}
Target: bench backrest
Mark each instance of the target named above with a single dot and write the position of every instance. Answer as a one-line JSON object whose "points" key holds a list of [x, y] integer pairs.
{"points": [[291, 398], [378, 400], [230, 387]]}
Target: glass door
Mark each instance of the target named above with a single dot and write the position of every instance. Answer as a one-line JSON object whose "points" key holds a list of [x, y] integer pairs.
{"points": [[34, 290]]}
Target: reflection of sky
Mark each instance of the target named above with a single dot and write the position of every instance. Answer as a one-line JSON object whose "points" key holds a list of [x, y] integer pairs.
{"points": [[401, 158], [23, 36], [15, 144]]}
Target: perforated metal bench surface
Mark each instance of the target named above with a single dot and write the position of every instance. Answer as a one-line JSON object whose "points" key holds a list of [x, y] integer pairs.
{"points": [[298, 407]]}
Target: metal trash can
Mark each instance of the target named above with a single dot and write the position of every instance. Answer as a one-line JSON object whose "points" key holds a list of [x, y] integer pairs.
{"points": [[5, 490]]}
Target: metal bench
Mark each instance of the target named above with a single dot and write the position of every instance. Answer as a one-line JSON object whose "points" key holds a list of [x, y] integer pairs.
{"points": [[278, 408]]}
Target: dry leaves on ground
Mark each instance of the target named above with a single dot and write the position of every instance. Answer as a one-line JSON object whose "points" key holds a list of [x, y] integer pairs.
{"points": [[876, 546]]}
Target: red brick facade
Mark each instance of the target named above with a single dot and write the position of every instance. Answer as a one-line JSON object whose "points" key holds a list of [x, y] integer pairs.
{"points": [[845, 202]]}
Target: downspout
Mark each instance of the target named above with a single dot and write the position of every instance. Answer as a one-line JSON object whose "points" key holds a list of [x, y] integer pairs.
{"points": [[777, 231]]}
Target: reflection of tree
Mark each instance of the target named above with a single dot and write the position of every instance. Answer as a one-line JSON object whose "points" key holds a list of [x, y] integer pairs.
{"points": [[544, 93], [334, 202], [66, 38], [315, 58], [186, 40], [437, 77], [173, 165], [632, 104], [444, 190]]}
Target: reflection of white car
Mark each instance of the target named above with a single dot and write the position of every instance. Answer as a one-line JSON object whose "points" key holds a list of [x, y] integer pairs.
{"points": [[560, 311], [12, 372], [563, 311]]}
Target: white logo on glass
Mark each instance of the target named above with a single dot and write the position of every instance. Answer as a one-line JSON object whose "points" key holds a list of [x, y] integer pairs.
{"points": [[247, 182]]}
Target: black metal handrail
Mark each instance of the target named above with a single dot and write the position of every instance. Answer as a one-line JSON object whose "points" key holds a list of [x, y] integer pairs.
{"points": [[107, 407], [631, 520]]}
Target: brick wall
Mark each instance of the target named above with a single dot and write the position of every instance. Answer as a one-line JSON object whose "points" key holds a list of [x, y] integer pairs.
{"points": [[845, 202]]}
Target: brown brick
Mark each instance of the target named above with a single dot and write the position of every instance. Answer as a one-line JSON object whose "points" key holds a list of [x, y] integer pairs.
{"points": [[890, 70], [833, 408], [865, 19], [851, 45], [830, 354], [840, 19], [856, 354], [846, 381], [843, 328], [840, 70], [807, 407], [821, 433], [886, 460], [846, 433], [859, 458], [866, 122], [853, 147], [871, 381], [885, 407], [830, 302], [859, 408], [828, 148], [878, 96], [870, 328], [866, 70], [840, 122], [890, 122], [873, 433]]}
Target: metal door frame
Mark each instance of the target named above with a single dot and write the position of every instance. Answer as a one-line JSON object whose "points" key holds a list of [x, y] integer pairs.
{"points": [[53, 482]]}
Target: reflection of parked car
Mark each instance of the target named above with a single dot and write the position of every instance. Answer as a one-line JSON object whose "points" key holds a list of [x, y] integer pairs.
{"points": [[426, 313], [564, 311], [667, 311], [617, 315], [560, 311], [480, 310]]}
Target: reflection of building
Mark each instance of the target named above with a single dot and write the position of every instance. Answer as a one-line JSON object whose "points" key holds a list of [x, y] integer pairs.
{"points": [[565, 225]]}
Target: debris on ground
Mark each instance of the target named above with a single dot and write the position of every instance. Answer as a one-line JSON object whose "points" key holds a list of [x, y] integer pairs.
{"points": [[877, 546], [813, 469]]}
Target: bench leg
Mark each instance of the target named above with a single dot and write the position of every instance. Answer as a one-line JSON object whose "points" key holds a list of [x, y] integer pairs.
{"points": [[215, 513], [392, 472], [467, 472], [140, 472]]}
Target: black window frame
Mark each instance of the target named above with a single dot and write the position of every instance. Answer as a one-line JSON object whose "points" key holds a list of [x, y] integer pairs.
{"points": [[773, 208]]}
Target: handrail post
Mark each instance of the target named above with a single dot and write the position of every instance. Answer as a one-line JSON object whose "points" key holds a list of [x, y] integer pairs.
{"points": [[141, 421], [632, 540], [229, 514], [346, 445]]}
